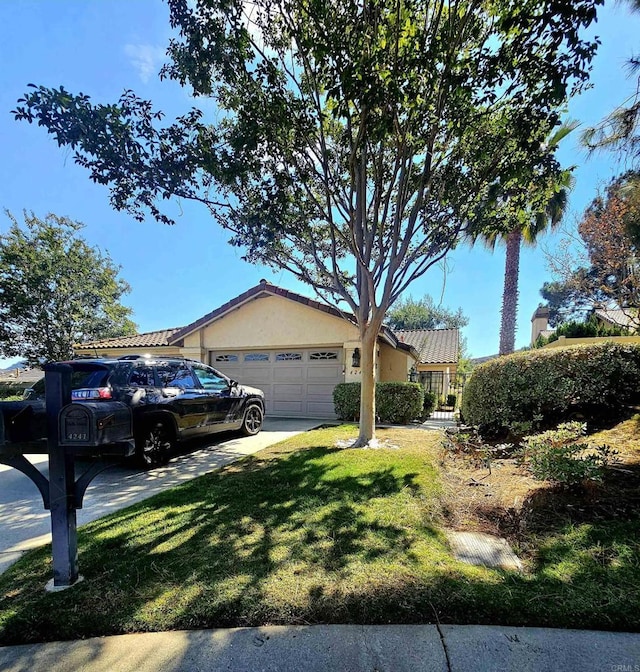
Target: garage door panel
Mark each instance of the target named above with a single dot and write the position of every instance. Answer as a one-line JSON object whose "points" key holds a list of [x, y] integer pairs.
{"points": [[321, 373], [316, 390], [286, 374], [284, 407]]}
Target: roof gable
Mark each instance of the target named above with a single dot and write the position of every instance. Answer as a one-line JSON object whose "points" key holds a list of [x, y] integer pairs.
{"points": [[264, 288]]}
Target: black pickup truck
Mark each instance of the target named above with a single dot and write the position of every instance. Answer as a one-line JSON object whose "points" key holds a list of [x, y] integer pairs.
{"points": [[171, 399]]}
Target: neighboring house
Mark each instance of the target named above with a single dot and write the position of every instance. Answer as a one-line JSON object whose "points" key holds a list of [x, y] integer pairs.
{"points": [[540, 323], [438, 354], [617, 318], [294, 348], [607, 317]]}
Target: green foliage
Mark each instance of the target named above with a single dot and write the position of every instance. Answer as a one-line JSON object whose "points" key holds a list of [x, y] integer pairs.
{"points": [[591, 328], [397, 403], [10, 391], [346, 400], [544, 387], [451, 399], [56, 290], [558, 456], [430, 403], [423, 313]]}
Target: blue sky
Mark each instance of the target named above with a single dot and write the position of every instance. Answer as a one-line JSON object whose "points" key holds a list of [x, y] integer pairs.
{"points": [[179, 273]]}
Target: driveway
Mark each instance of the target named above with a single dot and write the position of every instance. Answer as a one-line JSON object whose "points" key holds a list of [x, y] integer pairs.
{"points": [[25, 524]]}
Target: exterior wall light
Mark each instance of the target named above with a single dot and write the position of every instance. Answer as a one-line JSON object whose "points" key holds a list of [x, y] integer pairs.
{"points": [[355, 359], [413, 375]]}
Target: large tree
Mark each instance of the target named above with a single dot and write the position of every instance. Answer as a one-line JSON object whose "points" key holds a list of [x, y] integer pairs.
{"points": [[604, 271], [423, 313], [354, 141], [56, 290]]}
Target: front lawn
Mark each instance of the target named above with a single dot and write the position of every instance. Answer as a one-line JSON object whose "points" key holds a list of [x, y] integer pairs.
{"points": [[306, 532]]}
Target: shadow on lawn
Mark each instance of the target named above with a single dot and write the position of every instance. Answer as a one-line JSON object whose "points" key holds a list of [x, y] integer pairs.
{"points": [[298, 540]]}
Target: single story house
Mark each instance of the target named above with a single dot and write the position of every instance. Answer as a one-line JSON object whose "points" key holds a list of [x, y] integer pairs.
{"points": [[294, 348]]}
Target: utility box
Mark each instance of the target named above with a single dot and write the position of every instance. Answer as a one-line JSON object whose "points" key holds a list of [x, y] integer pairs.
{"points": [[96, 425]]}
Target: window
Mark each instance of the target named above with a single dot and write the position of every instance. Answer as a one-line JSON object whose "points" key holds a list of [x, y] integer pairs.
{"points": [[317, 356], [175, 374], [142, 376], [226, 358], [256, 357], [288, 357], [209, 378]]}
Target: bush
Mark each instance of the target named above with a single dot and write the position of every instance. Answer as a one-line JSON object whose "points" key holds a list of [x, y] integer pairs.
{"points": [[557, 456], [346, 401], [13, 390], [430, 403], [546, 387], [396, 403], [451, 400]]}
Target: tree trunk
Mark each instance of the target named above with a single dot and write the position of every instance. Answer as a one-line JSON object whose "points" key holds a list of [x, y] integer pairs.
{"points": [[369, 341], [510, 293]]}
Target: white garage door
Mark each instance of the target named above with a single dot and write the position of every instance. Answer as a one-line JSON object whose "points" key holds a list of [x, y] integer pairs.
{"points": [[296, 382]]}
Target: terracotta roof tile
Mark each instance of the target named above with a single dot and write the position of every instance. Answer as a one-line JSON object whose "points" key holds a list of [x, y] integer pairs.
{"points": [[435, 346], [148, 339]]}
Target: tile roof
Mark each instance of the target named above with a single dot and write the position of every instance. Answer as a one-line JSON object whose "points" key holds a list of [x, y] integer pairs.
{"points": [[619, 318], [435, 346], [148, 339]]}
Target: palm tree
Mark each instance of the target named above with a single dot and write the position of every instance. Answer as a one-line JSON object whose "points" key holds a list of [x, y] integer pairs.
{"points": [[535, 225]]}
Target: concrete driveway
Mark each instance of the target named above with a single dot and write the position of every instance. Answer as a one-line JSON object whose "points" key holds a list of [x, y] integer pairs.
{"points": [[25, 524]]}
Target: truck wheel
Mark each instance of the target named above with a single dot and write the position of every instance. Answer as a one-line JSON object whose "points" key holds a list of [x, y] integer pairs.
{"points": [[252, 421], [154, 445]]}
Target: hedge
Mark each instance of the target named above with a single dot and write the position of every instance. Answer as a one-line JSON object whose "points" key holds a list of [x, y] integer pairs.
{"points": [[397, 403], [544, 387]]}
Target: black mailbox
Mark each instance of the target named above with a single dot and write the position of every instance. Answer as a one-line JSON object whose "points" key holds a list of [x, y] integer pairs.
{"points": [[23, 422], [96, 424]]}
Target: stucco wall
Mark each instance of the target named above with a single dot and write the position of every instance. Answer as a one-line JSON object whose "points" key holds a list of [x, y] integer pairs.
{"points": [[563, 341], [270, 322], [394, 365]]}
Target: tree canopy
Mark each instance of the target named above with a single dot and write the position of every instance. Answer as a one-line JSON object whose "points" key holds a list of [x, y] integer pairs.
{"points": [[354, 142], [423, 313], [56, 290], [606, 273]]}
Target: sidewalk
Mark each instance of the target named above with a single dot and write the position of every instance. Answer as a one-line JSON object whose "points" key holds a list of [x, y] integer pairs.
{"points": [[339, 648]]}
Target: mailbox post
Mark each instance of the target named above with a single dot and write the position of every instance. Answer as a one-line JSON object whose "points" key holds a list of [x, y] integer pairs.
{"points": [[64, 537], [86, 429]]}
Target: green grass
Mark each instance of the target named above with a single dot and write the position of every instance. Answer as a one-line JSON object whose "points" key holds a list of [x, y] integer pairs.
{"points": [[306, 533]]}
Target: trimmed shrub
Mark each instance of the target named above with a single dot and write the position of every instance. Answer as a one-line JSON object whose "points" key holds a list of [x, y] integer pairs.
{"points": [[430, 403], [545, 387], [346, 401], [451, 399], [396, 403]]}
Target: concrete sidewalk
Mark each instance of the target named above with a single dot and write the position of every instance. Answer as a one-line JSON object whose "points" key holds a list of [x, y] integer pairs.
{"points": [[340, 648]]}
